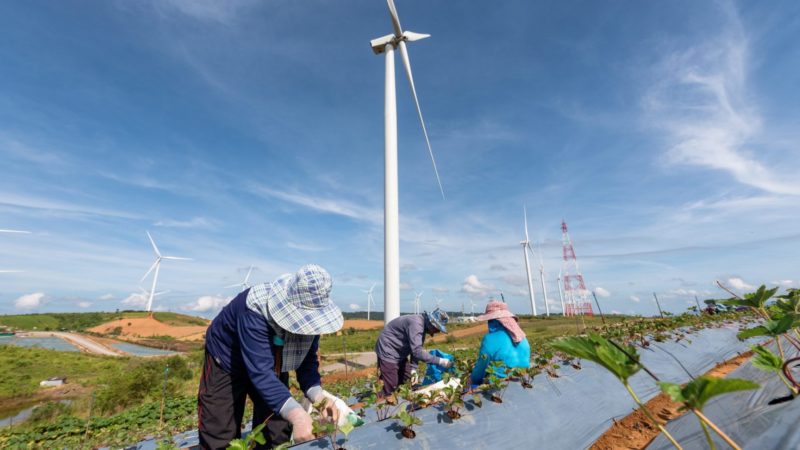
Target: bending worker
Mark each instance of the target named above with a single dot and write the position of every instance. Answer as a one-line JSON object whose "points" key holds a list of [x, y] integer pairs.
{"points": [[505, 343], [262, 334], [402, 338]]}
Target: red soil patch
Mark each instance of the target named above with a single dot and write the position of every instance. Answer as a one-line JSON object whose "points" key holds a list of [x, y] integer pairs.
{"points": [[635, 431], [464, 332], [144, 327], [362, 324], [351, 375]]}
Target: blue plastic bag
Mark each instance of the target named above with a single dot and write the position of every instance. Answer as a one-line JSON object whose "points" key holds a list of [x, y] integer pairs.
{"points": [[433, 373]]}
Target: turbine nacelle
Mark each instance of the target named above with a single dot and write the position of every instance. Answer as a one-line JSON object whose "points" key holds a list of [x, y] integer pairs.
{"points": [[379, 44]]}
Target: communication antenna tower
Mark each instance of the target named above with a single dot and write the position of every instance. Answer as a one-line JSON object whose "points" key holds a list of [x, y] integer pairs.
{"points": [[576, 296]]}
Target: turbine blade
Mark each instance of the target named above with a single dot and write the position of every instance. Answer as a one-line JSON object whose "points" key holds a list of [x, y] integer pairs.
{"points": [[158, 260], [247, 278], [411, 36], [407, 64], [525, 215], [177, 258], [398, 30], [155, 249], [232, 285]]}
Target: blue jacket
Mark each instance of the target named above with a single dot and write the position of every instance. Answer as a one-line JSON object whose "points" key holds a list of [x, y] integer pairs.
{"points": [[498, 346], [240, 341]]}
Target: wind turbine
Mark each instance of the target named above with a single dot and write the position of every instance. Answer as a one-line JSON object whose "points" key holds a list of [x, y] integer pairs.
{"points": [[391, 226], [244, 284], [561, 294], [526, 247], [438, 302], [370, 299], [417, 298], [472, 307], [156, 265], [541, 278]]}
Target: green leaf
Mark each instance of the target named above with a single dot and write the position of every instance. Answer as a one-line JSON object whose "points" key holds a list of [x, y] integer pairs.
{"points": [[755, 299], [346, 428], [765, 360], [599, 350], [697, 392], [237, 444], [769, 328]]}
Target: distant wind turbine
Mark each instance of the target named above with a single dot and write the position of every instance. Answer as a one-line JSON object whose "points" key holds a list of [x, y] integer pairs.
{"points": [[417, 298], [244, 284], [438, 302], [472, 307], [391, 257], [561, 293], [541, 278], [156, 265], [526, 247], [370, 299]]}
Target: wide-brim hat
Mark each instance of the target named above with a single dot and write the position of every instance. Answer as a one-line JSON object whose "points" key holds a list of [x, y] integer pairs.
{"points": [[496, 310], [301, 304], [438, 319]]}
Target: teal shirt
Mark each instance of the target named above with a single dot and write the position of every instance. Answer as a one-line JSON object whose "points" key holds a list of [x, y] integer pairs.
{"points": [[498, 346]]}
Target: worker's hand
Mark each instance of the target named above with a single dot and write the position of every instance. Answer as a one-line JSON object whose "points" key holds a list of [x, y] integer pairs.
{"points": [[301, 425], [446, 363], [414, 377], [327, 408]]}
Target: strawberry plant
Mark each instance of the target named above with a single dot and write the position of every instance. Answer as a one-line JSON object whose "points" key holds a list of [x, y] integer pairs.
{"points": [[767, 361], [621, 361], [696, 393]]}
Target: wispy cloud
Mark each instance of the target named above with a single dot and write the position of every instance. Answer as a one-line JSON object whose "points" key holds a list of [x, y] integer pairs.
{"points": [[322, 203], [222, 12], [194, 222], [206, 303], [701, 99], [601, 292]]}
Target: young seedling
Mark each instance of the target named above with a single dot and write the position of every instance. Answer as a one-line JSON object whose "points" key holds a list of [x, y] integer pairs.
{"points": [[772, 328], [249, 442], [408, 401], [696, 393], [754, 300], [324, 426], [408, 420], [767, 361], [620, 361]]}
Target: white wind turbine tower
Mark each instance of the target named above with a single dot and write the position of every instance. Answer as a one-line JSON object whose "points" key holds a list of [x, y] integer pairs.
{"points": [[560, 292], [13, 232], [370, 299], [541, 277], [417, 298], [391, 257], [472, 307], [156, 265], [526, 247], [245, 283]]}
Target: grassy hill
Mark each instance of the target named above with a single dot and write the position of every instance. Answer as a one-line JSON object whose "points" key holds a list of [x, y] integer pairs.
{"points": [[82, 321]]}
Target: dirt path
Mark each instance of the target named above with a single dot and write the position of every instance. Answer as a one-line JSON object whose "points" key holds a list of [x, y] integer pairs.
{"points": [[82, 342], [635, 431], [464, 332]]}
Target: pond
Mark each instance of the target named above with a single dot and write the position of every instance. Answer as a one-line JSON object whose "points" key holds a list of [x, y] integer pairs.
{"points": [[139, 350], [23, 415], [52, 343]]}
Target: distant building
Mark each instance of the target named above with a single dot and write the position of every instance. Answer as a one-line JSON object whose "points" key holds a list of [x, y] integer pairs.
{"points": [[54, 381]]}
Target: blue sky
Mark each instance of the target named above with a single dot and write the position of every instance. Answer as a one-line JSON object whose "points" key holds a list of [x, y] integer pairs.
{"points": [[251, 133]]}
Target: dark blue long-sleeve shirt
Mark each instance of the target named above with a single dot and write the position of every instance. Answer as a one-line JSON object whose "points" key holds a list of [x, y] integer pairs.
{"points": [[240, 341]]}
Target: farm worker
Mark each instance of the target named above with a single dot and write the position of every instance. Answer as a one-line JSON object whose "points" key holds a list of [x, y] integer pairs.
{"points": [[505, 343], [252, 344], [402, 338]]}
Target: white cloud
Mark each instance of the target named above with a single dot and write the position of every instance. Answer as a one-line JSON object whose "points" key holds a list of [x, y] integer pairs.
{"points": [[135, 300], [318, 203], [223, 12], [207, 303], [515, 280], [601, 292], [355, 306], [739, 284], [784, 283], [30, 301], [614, 311], [404, 286], [106, 297], [635, 298], [84, 304], [474, 287], [194, 222], [701, 100], [440, 290]]}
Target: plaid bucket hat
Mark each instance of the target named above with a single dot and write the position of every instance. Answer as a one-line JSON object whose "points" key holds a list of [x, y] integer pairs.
{"points": [[438, 319], [300, 303]]}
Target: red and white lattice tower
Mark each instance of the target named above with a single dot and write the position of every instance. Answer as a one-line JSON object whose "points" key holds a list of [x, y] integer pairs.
{"points": [[576, 296]]}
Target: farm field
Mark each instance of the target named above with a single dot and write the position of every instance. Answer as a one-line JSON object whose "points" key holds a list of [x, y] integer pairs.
{"points": [[106, 378]]}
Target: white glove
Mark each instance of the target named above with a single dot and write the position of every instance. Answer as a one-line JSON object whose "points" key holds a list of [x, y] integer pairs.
{"points": [[414, 377], [446, 363], [334, 407], [301, 425]]}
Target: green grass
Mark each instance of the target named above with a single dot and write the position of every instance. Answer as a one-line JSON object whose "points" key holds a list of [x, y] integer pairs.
{"points": [[82, 321], [21, 370]]}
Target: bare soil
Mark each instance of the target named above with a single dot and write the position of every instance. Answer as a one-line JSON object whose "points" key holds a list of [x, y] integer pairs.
{"points": [[351, 374], [464, 332], [145, 327], [635, 431], [362, 324]]}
